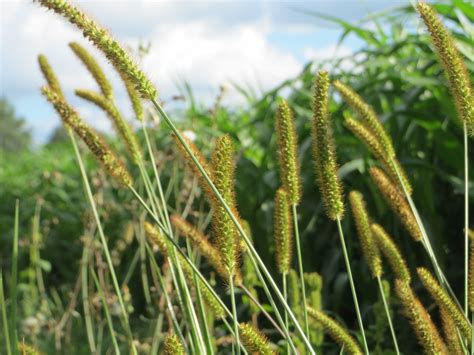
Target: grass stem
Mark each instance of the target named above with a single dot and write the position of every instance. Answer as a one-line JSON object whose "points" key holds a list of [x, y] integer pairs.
{"points": [[14, 281], [466, 220], [234, 314], [6, 329], [389, 318]]}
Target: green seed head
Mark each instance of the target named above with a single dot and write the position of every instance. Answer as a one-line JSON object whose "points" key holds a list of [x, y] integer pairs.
{"points": [[287, 143], [173, 346], [94, 68], [397, 202], [119, 58], [93, 141], [425, 330], [370, 119], [283, 231], [254, 340], [450, 332], [336, 331], [324, 153], [443, 300], [391, 252], [458, 76], [362, 221], [49, 75]]}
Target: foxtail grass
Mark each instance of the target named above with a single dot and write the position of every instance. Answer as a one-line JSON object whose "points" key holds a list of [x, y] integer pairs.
{"points": [[173, 346], [254, 340]]}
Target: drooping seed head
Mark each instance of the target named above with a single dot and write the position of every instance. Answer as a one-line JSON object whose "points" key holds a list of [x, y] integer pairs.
{"points": [[94, 68], [336, 331], [254, 340], [93, 141], [283, 231], [420, 320], [324, 153], [442, 299], [287, 148], [397, 202], [390, 164], [370, 119], [122, 127], [458, 76], [450, 332], [362, 221], [49, 75], [390, 250], [173, 346], [119, 58], [223, 178]]}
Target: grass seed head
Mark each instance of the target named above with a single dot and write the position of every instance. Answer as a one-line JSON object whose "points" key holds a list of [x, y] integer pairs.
{"points": [[458, 76], [336, 331], [94, 68], [442, 299], [390, 250], [450, 332], [100, 37], [173, 346], [397, 202], [94, 142], [367, 242], [324, 153], [425, 330], [254, 340], [283, 231], [49, 75], [287, 143]]}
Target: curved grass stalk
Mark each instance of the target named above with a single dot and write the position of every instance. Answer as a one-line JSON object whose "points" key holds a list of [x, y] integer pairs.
{"points": [[300, 267], [351, 282], [253, 253], [387, 311], [466, 220], [104, 242]]}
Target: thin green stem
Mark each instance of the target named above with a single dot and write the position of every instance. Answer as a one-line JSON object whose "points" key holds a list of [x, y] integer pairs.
{"points": [[85, 298], [300, 267], [466, 219], [14, 280], [253, 253], [351, 282], [110, 325], [6, 329], [285, 294], [387, 312], [234, 314], [103, 242]]}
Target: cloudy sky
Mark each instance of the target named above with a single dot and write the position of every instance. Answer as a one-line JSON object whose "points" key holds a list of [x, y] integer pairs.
{"points": [[208, 44]]}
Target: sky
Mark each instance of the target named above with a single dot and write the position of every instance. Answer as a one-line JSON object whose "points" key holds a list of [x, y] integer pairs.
{"points": [[256, 44]]}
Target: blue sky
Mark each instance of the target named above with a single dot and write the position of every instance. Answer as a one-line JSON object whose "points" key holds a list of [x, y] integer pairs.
{"points": [[208, 44]]}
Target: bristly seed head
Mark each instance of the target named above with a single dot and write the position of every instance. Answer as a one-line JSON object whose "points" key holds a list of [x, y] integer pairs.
{"points": [[391, 252], [324, 153], [287, 145], [173, 346], [283, 231], [458, 76], [397, 202], [93, 141], [49, 75], [362, 221], [425, 330], [119, 58], [254, 340]]}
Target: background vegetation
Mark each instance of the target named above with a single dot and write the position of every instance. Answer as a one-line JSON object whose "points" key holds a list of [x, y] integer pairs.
{"points": [[395, 71]]}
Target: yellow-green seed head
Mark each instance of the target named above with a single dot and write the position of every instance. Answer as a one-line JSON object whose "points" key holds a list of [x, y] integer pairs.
{"points": [[254, 340], [94, 68], [450, 332], [420, 320], [362, 221], [370, 119], [442, 299], [93, 141], [287, 143], [121, 126], [156, 238], [283, 231], [26, 349], [336, 331], [471, 271], [391, 252], [324, 153], [173, 346], [119, 58], [458, 76], [49, 75], [225, 231], [397, 202]]}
